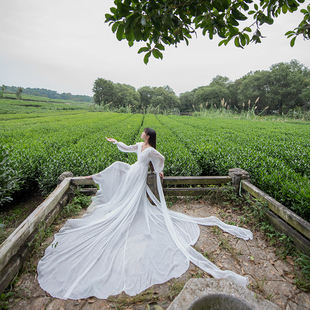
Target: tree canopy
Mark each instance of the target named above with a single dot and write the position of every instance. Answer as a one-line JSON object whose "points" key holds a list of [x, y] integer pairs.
{"points": [[168, 22], [284, 87]]}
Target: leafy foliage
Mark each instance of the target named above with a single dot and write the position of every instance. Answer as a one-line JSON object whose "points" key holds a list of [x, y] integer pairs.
{"points": [[168, 22], [275, 154], [302, 29], [8, 176], [19, 93]]}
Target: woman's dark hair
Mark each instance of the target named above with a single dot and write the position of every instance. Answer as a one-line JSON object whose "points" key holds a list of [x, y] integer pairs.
{"points": [[152, 141]]}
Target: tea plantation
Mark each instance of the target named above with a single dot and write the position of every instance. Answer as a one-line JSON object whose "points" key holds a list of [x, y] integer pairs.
{"points": [[36, 148]]}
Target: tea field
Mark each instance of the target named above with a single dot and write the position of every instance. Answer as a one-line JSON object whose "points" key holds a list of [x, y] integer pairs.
{"points": [[36, 148]]}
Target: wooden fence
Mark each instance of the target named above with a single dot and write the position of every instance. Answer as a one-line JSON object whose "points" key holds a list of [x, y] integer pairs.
{"points": [[17, 247]]}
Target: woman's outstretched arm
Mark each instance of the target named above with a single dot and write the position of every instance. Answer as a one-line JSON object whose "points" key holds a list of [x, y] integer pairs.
{"points": [[111, 140]]}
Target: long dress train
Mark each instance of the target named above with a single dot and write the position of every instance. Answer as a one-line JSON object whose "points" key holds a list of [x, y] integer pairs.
{"points": [[125, 243]]}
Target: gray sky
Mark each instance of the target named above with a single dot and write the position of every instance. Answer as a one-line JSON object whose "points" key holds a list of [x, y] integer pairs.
{"points": [[64, 45]]}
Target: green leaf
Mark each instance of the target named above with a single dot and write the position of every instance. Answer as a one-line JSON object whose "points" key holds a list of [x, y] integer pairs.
{"points": [[146, 57], [130, 20], [109, 17], [155, 23], [233, 21], [143, 49], [137, 34], [223, 42], [242, 39], [114, 26], [113, 10], [225, 4], [233, 30], [238, 15], [129, 35], [292, 43], [247, 38], [120, 32], [269, 20], [160, 46], [237, 43], [157, 54], [124, 9]]}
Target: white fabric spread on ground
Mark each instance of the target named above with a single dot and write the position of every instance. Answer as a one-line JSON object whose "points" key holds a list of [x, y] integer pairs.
{"points": [[123, 242]]}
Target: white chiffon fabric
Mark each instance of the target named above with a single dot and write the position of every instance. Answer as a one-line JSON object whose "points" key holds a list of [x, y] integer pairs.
{"points": [[125, 243]]}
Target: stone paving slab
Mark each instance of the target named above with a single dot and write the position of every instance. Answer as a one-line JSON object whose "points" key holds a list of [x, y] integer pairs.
{"points": [[270, 277]]}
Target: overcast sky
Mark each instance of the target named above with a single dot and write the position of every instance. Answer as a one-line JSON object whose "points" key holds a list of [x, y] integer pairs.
{"points": [[64, 45]]}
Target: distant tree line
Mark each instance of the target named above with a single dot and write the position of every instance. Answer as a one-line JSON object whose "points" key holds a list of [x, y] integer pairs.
{"points": [[47, 93], [125, 97], [284, 87]]}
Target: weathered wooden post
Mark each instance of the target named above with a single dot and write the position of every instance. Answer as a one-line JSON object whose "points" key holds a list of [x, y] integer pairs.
{"points": [[70, 191], [237, 175], [152, 183]]}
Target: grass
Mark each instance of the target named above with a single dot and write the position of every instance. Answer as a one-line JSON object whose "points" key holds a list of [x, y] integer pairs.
{"points": [[251, 114], [123, 301], [78, 202], [175, 288], [302, 271]]}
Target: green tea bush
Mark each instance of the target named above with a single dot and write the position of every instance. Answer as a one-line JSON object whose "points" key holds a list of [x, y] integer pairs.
{"points": [[36, 150], [275, 154], [8, 176]]}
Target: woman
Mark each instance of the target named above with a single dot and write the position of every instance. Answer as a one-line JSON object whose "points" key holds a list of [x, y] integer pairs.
{"points": [[123, 242]]}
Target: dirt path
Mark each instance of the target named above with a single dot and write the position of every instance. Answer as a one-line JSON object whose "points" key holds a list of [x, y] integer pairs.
{"points": [[270, 277]]}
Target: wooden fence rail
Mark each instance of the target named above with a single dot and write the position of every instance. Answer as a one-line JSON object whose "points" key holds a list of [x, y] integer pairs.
{"points": [[192, 191], [17, 247]]}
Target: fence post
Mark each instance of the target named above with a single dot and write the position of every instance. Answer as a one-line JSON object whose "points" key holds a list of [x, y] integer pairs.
{"points": [[237, 175], [70, 191], [152, 183]]}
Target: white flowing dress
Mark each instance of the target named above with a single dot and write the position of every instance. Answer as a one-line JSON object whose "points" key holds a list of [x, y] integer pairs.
{"points": [[125, 243]]}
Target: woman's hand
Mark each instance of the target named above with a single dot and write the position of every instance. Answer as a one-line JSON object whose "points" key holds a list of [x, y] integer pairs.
{"points": [[111, 140], [161, 174]]}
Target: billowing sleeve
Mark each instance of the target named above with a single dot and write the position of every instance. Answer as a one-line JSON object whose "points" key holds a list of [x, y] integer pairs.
{"points": [[126, 148], [157, 160]]}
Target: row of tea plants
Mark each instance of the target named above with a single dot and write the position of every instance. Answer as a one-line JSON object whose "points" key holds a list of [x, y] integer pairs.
{"points": [[276, 155], [36, 150]]}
